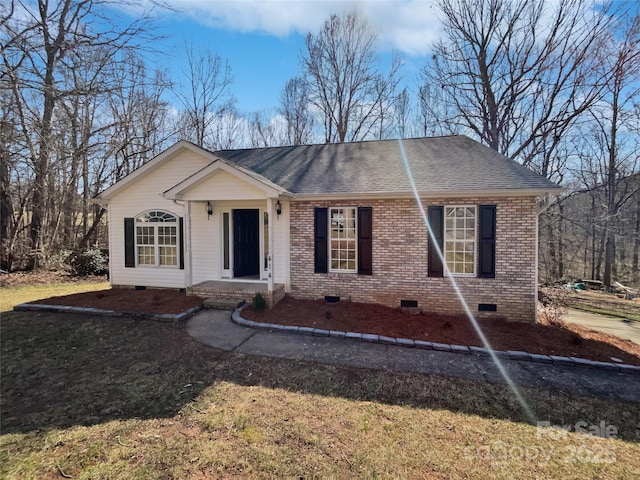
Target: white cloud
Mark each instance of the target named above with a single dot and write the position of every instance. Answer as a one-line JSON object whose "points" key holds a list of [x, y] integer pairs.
{"points": [[409, 26]]}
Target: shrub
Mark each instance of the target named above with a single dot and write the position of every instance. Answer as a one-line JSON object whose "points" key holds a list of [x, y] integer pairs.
{"points": [[552, 309], [259, 303], [89, 261], [55, 261]]}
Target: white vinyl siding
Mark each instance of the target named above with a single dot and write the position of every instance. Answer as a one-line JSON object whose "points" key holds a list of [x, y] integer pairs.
{"points": [[142, 195], [224, 186], [460, 239], [203, 240], [227, 192], [207, 240]]}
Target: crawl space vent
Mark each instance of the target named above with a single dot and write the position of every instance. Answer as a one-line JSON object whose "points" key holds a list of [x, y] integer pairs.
{"points": [[487, 307]]}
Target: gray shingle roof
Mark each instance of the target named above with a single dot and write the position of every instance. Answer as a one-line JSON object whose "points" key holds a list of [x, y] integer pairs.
{"points": [[439, 165]]}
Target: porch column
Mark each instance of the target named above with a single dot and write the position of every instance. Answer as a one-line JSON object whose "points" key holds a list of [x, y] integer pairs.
{"points": [[270, 256], [187, 244]]}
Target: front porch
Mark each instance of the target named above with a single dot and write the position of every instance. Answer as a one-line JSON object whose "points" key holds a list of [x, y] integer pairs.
{"points": [[227, 294]]}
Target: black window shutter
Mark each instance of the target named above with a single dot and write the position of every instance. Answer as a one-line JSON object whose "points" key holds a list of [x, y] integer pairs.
{"points": [[487, 241], [436, 221], [365, 245], [181, 241], [321, 232], [129, 243]]}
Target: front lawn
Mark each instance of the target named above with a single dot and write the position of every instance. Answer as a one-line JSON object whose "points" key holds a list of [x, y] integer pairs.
{"points": [[17, 288], [98, 397], [95, 397]]}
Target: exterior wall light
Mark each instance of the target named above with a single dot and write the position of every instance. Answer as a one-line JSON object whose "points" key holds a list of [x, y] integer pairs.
{"points": [[278, 208], [209, 210]]}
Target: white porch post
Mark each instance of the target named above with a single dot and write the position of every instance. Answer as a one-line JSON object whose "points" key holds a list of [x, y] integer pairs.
{"points": [[187, 244], [270, 256]]}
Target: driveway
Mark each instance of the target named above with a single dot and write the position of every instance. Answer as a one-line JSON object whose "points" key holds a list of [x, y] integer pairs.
{"points": [[620, 327]]}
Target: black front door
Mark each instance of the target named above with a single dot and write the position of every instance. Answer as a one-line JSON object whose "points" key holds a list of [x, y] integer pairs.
{"points": [[246, 242]]}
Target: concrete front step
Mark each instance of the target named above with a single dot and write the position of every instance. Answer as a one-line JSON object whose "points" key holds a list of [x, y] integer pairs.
{"points": [[222, 303], [227, 295]]}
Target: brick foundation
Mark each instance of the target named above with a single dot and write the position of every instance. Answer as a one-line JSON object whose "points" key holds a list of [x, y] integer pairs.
{"points": [[228, 292]]}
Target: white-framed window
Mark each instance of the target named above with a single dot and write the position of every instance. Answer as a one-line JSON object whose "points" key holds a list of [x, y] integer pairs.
{"points": [[460, 234], [157, 239], [343, 242]]}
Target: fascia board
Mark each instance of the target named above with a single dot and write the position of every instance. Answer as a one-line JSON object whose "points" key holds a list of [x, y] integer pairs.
{"points": [[425, 195]]}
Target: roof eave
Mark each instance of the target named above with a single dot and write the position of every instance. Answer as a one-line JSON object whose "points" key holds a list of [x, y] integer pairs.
{"points": [[179, 190], [516, 192], [155, 162]]}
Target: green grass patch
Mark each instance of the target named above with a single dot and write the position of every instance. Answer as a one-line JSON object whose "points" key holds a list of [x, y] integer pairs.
{"points": [[12, 296], [97, 397]]}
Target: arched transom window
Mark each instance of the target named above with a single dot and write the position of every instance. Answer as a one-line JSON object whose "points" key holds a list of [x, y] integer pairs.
{"points": [[157, 239]]}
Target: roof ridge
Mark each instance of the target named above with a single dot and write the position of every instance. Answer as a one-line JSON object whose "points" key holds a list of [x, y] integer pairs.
{"points": [[359, 142]]}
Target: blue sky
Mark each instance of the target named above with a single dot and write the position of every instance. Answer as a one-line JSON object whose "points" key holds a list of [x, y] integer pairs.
{"points": [[262, 40]]}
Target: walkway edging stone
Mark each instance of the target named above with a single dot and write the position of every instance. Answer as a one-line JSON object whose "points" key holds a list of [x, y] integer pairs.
{"points": [[164, 317], [444, 347]]}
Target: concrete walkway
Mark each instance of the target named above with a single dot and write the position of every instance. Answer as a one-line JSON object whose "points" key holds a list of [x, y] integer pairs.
{"points": [[215, 328], [620, 327]]}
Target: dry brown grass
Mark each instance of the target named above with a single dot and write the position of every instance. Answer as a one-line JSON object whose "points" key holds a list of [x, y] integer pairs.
{"points": [[605, 303], [116, 398], [20, 288], [107, 398]]}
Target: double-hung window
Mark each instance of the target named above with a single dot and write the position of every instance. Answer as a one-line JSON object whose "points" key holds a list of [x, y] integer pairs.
{"points": [[343, 239], [460, 239], [466, 236], [157, 239]]}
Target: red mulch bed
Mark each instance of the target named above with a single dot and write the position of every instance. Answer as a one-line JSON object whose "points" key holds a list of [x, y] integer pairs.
{"points": [[156, 301], [570, 340]]}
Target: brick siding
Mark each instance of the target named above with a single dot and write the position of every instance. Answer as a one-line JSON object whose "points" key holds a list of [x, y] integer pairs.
{"points": [[400, 260]]}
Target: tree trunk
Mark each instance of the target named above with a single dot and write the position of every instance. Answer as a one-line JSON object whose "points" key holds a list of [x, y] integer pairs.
{"points": [[560, 245], [609, 257], [85, 242], [42, 160], [603, 238], [636, 248], [6, 207], [593, 236], [553, 258]]}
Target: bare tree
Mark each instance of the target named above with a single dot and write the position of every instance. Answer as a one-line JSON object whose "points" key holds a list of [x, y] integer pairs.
{"points": [[266, 130], [602, 210], [344, 81], [208, 98], [6, 203], [402, 114], [294, 107], [139, 115], [432, 116], [618, 128], [41, 47], [517, 74], [635, 265]]}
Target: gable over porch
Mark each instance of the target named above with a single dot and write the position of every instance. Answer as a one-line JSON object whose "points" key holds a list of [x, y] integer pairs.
{"points": [[236, 230]]}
